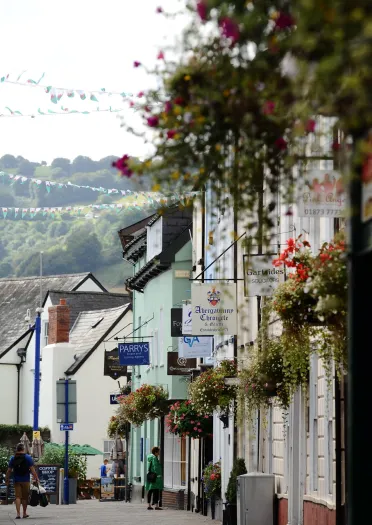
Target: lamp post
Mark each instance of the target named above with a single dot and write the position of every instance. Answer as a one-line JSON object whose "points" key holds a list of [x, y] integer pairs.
{"points": [[37, 330]]}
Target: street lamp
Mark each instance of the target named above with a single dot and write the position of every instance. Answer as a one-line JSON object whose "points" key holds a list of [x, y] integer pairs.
{"points": [[37, 329]]}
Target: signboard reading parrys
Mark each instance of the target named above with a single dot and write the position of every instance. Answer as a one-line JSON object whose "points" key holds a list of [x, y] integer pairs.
{"points": [[321, 194], [261, 278], [214, 309]]}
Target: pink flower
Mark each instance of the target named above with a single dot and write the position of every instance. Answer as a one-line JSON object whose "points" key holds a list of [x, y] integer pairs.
{"points": [[192, 422], [131, 104], [200, 430], [281, 143], [136, 64], [284, 21], [230, 29], [269, 107], [168, 107], [153, 121], [171, 133], [159, 9], [122, 166], [161, 56], [310, 126], [195, 428], [140, 94], [201, 8]]}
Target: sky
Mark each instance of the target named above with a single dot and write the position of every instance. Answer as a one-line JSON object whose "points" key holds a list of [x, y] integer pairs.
{"points": [[78, 44]]}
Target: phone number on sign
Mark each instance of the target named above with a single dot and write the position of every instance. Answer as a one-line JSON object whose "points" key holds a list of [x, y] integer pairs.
{"points": [[330, 213], [269, 280]]}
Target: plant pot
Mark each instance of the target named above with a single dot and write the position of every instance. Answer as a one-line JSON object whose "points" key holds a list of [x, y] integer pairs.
{"points": [[72, 490], [213, 507], [231, 513]]}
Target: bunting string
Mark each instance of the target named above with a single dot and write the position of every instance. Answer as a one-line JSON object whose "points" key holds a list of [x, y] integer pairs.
{"points": [[56, 93], [151, 196], [64, 111], [32, 212]]}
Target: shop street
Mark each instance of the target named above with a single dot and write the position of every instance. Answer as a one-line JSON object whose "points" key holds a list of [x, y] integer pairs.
{"points": [[96, 513]]}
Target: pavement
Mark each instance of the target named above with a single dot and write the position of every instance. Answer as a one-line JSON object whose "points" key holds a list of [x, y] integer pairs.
{"points": [[92, 512]]}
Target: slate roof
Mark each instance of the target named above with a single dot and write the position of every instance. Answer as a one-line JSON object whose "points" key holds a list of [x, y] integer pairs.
{"points": [[87, 301], [90, 329], [17, 295]]}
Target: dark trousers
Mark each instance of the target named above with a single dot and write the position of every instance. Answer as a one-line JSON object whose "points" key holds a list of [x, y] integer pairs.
{"points": [[154, 493]]}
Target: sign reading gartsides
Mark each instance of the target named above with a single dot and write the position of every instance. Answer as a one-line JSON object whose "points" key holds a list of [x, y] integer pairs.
{"points": [[214, 309], [134, 354]]}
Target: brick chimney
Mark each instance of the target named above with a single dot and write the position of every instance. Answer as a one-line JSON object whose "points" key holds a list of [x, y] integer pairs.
{"points": [[59, 323]]}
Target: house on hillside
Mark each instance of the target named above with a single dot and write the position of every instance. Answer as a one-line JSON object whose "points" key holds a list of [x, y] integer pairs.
{"points": [[159, 248], [79, 353], [83, 292]]}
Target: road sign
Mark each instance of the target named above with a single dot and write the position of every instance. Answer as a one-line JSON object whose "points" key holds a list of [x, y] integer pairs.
{"points": [[66, 426], [114, 399], [134, 354], [61, 402]]}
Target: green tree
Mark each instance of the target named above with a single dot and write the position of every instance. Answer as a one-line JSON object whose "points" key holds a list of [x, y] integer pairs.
{"points": [[62, 163], [8, 162], [85, 251]]}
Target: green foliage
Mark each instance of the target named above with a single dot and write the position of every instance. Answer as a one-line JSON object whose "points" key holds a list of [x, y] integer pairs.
{"points": [[146, 403], [77, 467], [238, 469], [209, 393], [184, 420], [8, 432], [5, 455], [117, 427]]}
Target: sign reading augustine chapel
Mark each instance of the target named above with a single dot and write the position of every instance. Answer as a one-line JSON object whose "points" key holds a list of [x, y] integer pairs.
{"points": [[214, 310]]}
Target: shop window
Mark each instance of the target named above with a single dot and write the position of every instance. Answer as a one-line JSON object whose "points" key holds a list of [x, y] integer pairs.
{"points": [[175, 461], [107, 447]]}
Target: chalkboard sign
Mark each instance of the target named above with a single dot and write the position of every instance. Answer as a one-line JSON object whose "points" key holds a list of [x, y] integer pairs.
{"points": [[7, 493], [48, 477]]}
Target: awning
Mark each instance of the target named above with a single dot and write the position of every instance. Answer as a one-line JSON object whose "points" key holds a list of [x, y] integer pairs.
{"points": [[81, 450]]}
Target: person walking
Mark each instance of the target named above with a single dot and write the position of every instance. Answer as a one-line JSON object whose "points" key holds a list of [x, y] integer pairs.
{"points": [[21, 464], [154, 487]]}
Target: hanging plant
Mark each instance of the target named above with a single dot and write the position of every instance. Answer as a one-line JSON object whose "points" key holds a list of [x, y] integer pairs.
{"points": [[209, 393], [183, 420], [117, 427], [146, 403], [212, 480]]}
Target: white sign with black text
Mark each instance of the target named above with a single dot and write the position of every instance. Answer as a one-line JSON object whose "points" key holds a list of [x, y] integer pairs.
{"points": [[193, 346], [214, 310], [186, 319], [261, 278]]}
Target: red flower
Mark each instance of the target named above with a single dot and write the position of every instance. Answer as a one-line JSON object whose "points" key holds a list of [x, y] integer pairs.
{"points": [[284, 21], [171, 133], [307, 244], [269, 107], [136, 64], [230, 29], [161, 56], [310, 126], [201, 8], [336, 146], [281, 143], [179, 101], [122, 166], [291, 244], [159, 9], [212, 476], [153, 121], [140, 94]]}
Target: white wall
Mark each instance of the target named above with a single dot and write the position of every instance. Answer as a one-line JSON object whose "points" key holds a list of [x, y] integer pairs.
{"points": [[27, 374], [8, 389]]}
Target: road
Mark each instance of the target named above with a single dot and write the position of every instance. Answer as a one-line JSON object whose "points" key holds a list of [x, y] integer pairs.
{"points": [[93, 512]]}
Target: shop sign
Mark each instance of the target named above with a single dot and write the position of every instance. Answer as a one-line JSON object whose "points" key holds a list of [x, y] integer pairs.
{"points": [[134, 354], [195, 346], [179, 366], [214, 310], [112, 367], [321, 194], [176, 322], [186, 319], [261, 278]]}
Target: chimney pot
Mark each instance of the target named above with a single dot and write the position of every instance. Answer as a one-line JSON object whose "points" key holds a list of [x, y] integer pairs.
{"points": [[59, 323]]}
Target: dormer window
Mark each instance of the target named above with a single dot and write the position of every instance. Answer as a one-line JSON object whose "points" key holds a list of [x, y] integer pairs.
{"points": [[154, 239]]}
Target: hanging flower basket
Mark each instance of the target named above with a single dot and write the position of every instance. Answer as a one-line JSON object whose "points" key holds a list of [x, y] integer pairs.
{"points": [[146, 403], [184, 420], [117, 427], [212, 480]]}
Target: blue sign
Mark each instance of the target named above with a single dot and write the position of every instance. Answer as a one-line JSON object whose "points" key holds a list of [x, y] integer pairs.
{"points": [[114, 399], [66, 426], [134, 354]]}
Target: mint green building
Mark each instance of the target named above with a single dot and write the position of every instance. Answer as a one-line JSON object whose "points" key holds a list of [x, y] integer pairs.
{"points": [[160, 250]]}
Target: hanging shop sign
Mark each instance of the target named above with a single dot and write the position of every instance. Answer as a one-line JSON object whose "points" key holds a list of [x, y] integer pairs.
{"points": [[112, 367], [179, 366], [321, 194], [186, 319], [194, 346], [176, 322], [366, 204], [134, 354], [261, 278], [214, 309]]}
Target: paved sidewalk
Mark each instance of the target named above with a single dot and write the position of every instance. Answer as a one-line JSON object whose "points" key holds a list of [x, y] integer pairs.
{"points": [[93, 512]]}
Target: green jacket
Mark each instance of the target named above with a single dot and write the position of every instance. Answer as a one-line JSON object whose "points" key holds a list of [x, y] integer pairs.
{"points": [[153, 464]]}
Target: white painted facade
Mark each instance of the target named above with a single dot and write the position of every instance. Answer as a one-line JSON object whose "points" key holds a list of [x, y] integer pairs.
{"points": [[93, 393]]}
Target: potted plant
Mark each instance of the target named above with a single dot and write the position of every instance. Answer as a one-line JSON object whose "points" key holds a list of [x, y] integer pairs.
{"points": [[209, 391], [184, 420], [238, 469], [212, 484], [146, 403], [117, 427]]}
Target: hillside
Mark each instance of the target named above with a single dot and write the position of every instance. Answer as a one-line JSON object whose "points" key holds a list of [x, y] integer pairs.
{"points": [[69, 243]]}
